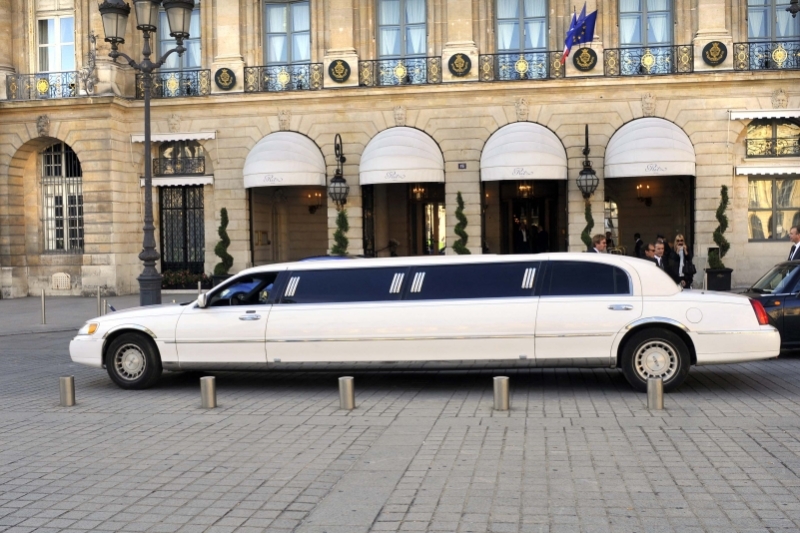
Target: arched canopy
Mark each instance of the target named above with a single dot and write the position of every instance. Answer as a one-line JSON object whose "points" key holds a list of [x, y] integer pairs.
{"points": [[284, 158], [523, 151], [649, 147], [401, 155]]}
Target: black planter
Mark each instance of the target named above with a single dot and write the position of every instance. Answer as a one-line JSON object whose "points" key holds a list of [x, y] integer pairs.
{"points": [[718, 279], [216, 280]]}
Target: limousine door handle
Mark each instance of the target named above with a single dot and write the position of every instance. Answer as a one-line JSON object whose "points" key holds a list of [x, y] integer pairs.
{"points": [[250, 317], [621, 307]]}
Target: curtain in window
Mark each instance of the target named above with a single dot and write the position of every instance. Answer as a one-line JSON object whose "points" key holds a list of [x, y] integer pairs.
{"points": [[508, 36], [67, 44], [276, 18], [535, 8], [415, 11], [535, 35], [389, 12], [507, 9], [415, 41], [301, 17], [658, 28], [301, 41], [785, 25], [276, 49], [757, 23], [630, 23]]}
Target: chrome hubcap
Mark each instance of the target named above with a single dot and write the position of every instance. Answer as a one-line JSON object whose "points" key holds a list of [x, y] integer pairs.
{"points": [[656, 359], [129, 362]]}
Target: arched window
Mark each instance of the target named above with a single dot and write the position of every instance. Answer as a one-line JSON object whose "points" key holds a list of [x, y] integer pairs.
{"points": [[402, 30], [288, 33], [768, 20], [180, 158], [62, 199], [773, 138], [190, 59], [645, 23], [521, 25]]}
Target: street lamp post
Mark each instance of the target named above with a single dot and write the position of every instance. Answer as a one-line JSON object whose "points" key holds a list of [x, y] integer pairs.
{"points": [[115, 20], [338, 188], [587, 179]]}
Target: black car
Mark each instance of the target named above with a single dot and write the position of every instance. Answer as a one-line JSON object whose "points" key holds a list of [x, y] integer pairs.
{"points": [[779, 291]]}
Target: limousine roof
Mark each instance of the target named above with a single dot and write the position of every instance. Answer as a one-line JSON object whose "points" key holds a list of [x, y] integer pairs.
{"points": [[646, 276]]}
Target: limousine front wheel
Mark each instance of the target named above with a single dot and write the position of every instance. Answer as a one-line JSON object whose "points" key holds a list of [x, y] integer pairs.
{"points": [[132, 361], [655, 353]]}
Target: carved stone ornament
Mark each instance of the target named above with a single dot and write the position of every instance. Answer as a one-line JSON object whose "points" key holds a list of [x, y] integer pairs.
{"points": [[399, 116], [43, 126], [779, 99], [521, 105], [648, 104], [174, 123], [284, 119]]}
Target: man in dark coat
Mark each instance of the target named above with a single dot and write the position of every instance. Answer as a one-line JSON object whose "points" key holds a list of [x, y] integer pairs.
{"points": [[637, 249]]}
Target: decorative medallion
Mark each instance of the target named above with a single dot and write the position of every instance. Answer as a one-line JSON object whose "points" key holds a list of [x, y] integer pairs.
{"points": [[400, 71], [172, 84], [225, 79], [339, 70], [585, 60], [459, 65], [284, 77], [648, 60], [521, 66], [715, 53], [780, 55], [42, 85]]}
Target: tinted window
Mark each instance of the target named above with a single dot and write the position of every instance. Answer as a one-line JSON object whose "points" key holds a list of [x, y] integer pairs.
{"points": [[574, 278], [489, 280], [345, 285], [245, 290], [779, 280]]}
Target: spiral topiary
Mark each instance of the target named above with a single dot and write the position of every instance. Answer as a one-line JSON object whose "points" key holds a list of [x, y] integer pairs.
{"points": [[586, 234], [715, 256], [221, 249], [460, 246], [339, 237]]}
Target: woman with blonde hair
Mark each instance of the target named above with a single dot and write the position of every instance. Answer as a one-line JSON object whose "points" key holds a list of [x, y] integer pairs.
{"points": [[679, 263]]}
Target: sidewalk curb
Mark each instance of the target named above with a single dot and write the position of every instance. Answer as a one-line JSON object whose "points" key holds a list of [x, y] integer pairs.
{"points": [[34, 332]]}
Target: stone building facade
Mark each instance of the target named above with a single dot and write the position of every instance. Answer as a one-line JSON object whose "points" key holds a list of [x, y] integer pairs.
{"points": [[432, 98]]}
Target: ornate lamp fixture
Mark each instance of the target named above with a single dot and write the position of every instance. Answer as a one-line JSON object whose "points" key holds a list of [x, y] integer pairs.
{"points": [[793, 8], [587, 179], [314, 201], [525, 189], [115, 19], [338, 188], [418, 192], [643, 194]]}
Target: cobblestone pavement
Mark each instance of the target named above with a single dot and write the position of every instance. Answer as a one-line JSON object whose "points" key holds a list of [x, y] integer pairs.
{"points": [[423, 451]]}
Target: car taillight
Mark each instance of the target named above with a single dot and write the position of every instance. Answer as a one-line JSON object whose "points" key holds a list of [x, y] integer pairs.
{"points": [[761, 313]]}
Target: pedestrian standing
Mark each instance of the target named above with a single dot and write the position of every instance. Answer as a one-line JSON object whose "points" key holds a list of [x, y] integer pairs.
{"points": [[659, 255], [637, 249], [650, 252], [598, 244], [679, 263], [609, 241], [794, 236]]}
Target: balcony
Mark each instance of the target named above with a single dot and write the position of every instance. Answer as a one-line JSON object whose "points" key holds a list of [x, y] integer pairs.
{"points": [[780, 147], [779, 55], [403, 71], [520, 66], [182, 166], [44, 86], [279, 78], [649, 60], [177, 84]]}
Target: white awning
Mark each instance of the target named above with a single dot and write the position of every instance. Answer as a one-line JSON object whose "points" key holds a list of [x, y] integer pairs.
{"points": [[401, 155], [768, 170], [169, 137], [765, 113], [179, 181], [649, 147], [284, 158], [523, 151]]}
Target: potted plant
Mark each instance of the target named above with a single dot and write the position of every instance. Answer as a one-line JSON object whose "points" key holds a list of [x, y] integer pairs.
{"points": [[339, 236], [718, 277], [460, 246], [221, 249]]}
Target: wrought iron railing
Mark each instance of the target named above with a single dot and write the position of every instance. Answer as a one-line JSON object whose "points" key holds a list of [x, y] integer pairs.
{"points": [[404, 71], [44, 86], [648, 60], [167, 166], [176, 84], [780, 147], [779, 55], [278, 78], [520, 66]]}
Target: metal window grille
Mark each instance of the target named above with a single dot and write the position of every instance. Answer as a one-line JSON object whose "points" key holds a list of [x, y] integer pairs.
{"points": [[183, 244], [62, 199]]}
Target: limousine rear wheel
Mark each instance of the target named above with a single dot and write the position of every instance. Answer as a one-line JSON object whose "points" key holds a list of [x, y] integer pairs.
{"points": [[132, 361], [658, 353]]}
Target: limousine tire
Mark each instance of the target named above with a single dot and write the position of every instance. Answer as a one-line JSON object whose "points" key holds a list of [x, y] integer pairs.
{"points": [[655, 352], [132, 361]]}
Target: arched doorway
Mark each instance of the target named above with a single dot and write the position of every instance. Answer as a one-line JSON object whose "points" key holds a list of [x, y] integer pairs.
{"points": [[524, 178]]}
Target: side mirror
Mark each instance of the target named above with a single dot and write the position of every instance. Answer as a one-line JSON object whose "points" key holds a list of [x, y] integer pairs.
{"points": [[202, 300]]}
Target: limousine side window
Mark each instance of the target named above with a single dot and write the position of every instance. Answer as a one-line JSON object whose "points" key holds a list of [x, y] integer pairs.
{"points": [[578, 278], [345, 285], [480, 280], [245, 290]]}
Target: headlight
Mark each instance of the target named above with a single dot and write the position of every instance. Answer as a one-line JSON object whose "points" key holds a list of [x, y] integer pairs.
{"points": [[89, 328]]}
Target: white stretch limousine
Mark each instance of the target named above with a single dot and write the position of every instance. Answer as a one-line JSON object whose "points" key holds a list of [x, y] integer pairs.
{"points": [[557, 310]]}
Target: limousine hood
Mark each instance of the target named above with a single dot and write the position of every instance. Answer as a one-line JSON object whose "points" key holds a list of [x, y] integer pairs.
{"points": [[138, 313]]}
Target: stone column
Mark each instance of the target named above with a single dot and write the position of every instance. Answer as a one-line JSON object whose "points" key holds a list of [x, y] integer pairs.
{"points": [[341, 51], [711, 26], [6, 63], [459, 41], [227, 46]]}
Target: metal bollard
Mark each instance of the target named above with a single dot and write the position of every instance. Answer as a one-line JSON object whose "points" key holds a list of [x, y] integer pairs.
{"points": [[66, 384], [347, 393], [44, 314], [199, 288], [208, 392], [105, 306], [501, 393], [655, 393], [99, 309]]}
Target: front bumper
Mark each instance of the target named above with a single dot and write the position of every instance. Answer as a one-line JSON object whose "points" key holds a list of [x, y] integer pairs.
{"points": [[87, 350]]}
